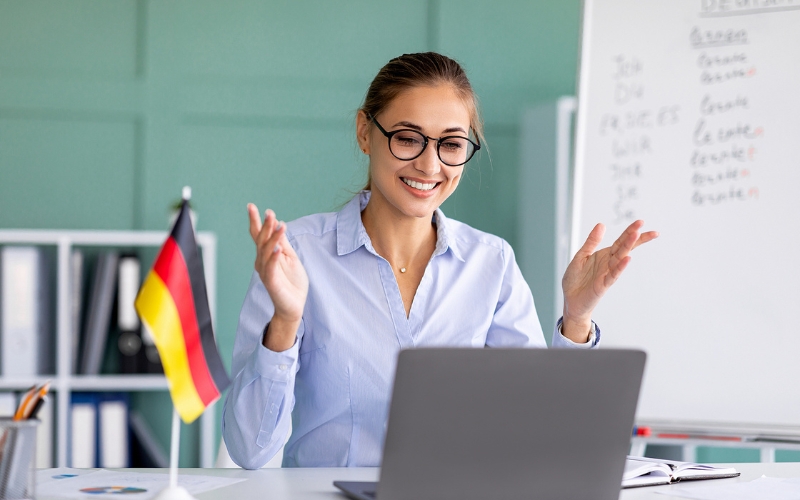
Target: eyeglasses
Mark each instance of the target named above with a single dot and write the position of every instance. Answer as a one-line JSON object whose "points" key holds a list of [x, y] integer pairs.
{"points": [[406, 144]]}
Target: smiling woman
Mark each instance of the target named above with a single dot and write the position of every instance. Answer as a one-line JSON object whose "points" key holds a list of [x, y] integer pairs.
{"points": [[335, 296]]}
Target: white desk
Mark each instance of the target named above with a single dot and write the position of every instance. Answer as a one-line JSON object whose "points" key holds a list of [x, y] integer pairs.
{"points": [[749, 472], [317, 484]]}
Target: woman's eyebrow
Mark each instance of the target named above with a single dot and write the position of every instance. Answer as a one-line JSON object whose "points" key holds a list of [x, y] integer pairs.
{"points": [[407, 125], [417, 127]]}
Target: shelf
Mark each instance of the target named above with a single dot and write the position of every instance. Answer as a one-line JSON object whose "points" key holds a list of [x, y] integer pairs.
{"points": [[126, 383], [97, 238], [118, 383], [25, 383], [63, 381]]}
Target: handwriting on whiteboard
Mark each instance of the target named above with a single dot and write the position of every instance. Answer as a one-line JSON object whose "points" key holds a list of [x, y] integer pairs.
{"points": [[723, 160]]}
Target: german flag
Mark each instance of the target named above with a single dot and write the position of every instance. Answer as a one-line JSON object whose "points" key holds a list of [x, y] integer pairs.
{"points": [[172, 302]]}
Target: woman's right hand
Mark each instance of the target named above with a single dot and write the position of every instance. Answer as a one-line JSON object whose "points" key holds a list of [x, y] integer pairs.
{"points": [[282, 274]]}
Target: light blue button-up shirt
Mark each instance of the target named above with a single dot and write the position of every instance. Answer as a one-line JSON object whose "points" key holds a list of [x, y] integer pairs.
{"points": [[334, 383]]}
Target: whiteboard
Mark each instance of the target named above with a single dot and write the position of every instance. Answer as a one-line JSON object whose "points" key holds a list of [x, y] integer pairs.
{"points": [[689, 118]]}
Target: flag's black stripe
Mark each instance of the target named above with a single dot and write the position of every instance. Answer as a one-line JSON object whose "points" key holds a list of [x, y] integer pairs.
{"points": [[183, 234]]}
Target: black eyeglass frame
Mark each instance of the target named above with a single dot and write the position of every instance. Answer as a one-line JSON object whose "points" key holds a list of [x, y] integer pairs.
{"points": [[439, 140]]}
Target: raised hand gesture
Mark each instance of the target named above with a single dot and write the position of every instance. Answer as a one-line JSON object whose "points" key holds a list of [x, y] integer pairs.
{"points": [[591, 273], [282, 274]]}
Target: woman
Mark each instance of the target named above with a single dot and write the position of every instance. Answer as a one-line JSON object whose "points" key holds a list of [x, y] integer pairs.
{"points": [[335, 296]]}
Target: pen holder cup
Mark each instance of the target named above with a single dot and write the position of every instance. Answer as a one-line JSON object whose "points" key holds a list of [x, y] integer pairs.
{"points": [[17, 459]]}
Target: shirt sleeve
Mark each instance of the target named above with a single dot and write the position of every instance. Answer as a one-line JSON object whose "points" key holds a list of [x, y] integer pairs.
{"points": [[515, 322], [257, 412], [559, 340]]}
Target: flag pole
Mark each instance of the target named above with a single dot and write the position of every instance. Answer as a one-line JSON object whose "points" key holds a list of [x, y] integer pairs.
{"points": [[159, 296], [173, 491], [174, 449]]}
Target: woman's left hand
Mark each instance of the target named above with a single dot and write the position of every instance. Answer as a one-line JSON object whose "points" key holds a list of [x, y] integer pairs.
{"points": [[591, 274]]}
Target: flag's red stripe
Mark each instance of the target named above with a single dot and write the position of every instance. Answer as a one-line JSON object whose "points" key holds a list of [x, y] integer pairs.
{"points": [[171, 268]]}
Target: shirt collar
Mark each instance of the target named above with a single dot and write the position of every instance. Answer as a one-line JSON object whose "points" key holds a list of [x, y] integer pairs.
{"points": [[350, 232]]}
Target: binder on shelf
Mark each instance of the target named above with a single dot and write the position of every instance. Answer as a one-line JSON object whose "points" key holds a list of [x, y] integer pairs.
{"points": [[45, 433], [26, 339], [130, 271], [113, 442], [129, 347], [83, 430], [99, 435], [98, 316], [152, 360], [8, 403], [129, 343], [76, 267]]}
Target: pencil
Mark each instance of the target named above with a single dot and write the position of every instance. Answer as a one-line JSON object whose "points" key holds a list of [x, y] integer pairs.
{"points": [[27, 407], [23, 402], [36, 407]]}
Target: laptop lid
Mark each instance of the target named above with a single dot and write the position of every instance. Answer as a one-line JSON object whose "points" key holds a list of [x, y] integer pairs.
{"points": [[510, 423]]}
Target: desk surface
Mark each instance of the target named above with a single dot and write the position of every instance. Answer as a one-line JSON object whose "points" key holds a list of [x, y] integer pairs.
{"points": [[317, 484]]}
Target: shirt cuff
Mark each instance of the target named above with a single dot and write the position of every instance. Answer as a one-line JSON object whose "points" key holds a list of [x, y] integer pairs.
{"points": [[594, 337], [277, 366]]}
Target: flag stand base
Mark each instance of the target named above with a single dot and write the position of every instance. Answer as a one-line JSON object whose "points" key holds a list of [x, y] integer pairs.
{"points": [[174, 493]]}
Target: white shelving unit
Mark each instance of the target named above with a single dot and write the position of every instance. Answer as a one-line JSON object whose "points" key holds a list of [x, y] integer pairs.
{"points": [[64, 382]]}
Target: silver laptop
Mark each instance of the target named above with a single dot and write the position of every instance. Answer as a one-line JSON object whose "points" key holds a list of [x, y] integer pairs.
{"points": [[507, 424]]}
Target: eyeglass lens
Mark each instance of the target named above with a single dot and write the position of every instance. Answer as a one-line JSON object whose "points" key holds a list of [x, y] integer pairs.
{"points": [[408, 144]]}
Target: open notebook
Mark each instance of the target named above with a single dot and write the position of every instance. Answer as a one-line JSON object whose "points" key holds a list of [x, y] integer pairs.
{"points": [[641, 471]]}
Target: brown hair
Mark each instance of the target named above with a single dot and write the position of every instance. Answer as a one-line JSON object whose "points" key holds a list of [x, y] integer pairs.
{"points": [[415, 70]]}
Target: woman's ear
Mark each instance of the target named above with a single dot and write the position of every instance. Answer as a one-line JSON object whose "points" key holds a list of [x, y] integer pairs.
{"points": [[362, 131]]}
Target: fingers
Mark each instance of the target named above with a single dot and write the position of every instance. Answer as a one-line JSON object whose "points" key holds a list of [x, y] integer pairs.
{"points": [[269, 237], [273, 257], [626, 241], [646, 237], [270, 222], [258, 231], [285, 246], [255, 221], [593, 240]]}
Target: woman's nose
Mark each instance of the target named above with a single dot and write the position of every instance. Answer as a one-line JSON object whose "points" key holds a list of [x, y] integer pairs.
{"points": [[428, 162]]}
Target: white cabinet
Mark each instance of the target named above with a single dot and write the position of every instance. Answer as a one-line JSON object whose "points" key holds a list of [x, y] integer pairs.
{"points": [[64, 381]]}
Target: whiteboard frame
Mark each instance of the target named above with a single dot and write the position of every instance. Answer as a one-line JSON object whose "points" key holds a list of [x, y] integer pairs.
{"points": [[580, 128]]}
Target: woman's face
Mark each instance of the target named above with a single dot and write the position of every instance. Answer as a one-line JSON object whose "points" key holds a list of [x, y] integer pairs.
{"points": [[433, 111]]}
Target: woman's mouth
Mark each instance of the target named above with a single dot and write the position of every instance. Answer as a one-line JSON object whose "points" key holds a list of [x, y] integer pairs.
{"points": [[422, 186]]}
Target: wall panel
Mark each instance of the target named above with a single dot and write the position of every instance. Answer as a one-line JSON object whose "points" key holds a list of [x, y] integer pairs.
{"points": [[310, 39], [66, 174], [75, 38]]}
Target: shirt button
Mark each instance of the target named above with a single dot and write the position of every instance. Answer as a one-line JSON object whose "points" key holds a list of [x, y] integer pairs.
{"points": [[283, 368]]}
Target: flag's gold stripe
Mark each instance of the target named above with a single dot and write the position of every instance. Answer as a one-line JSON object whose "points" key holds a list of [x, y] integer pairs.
{"points": [[157, 309]]}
